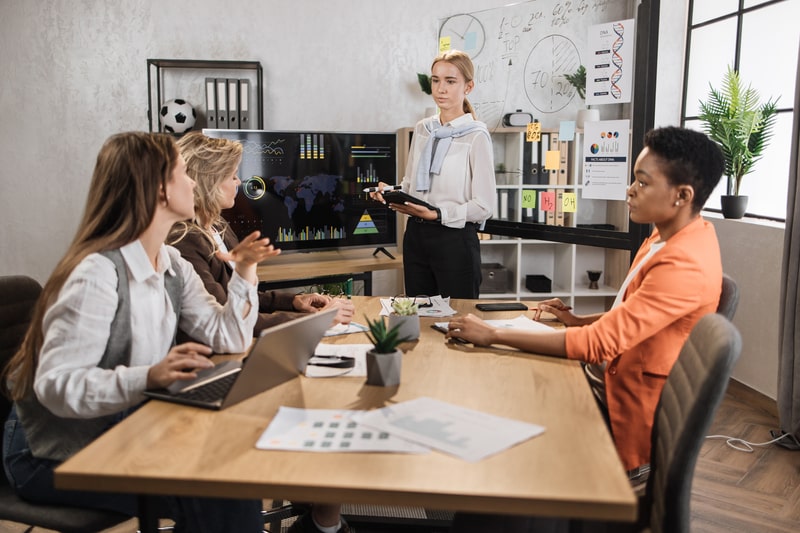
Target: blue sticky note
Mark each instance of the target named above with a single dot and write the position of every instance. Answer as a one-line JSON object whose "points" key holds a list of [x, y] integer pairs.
{"points": [[566, 130], [471, 40]]}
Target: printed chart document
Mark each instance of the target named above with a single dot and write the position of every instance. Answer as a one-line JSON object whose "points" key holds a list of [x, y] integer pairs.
{"points": [[465, 433], [438, 306], [328, 430], [319, 366]]}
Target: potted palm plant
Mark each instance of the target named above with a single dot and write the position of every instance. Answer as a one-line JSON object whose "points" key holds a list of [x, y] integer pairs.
{"points": [[736, 119], [384, 360], [578, 82]]}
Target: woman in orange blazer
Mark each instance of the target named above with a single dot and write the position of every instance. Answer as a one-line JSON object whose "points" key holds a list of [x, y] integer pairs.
{"points": [[675, 279]]}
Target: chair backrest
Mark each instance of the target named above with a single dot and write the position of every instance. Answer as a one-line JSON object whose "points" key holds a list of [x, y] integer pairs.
{"points": [[729, 297], [691, 395]]}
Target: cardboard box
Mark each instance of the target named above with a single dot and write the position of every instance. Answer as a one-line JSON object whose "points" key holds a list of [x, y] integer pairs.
{"points": [[538, 283], [495, 278]]}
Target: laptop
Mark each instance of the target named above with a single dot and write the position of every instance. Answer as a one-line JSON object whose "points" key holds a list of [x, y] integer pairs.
{"points": [[279, 354]]}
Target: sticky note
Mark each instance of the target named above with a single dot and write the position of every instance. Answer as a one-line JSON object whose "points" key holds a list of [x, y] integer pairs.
{"points": [[552, 159], [534, 132], [566, 130], [528, 199], [548, 201], [444, 43], [569, 202]]}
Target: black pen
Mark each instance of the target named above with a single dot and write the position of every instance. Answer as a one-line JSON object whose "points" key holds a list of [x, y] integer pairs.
{"points": [[385, 189]]}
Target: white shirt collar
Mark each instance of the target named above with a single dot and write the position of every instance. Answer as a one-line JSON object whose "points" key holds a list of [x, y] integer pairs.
{"points": [[139, 264]]}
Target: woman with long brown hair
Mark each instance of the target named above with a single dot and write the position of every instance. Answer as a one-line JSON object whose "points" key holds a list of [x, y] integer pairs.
{"points": [[104, 329]]}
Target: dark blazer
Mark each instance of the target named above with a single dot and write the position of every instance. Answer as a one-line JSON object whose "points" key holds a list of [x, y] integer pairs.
{"points": [[274, 307]]}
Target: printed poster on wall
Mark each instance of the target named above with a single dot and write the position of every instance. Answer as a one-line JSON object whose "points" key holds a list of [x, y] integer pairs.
{"points": [[605, 159], [609, 75]]}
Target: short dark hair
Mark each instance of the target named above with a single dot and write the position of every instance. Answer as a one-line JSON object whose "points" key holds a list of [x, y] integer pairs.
{"points": [[690, 157]]}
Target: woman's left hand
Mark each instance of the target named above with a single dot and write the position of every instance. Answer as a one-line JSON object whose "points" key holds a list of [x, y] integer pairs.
{"points": [[415, 210], [248, 254]]}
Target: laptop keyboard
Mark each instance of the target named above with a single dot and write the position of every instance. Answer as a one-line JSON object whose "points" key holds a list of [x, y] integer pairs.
{"points": [[210, 392]]}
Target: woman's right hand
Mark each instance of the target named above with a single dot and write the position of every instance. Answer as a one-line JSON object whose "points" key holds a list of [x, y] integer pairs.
{"points": [[377, 196], [182, 362], [558, 308]]}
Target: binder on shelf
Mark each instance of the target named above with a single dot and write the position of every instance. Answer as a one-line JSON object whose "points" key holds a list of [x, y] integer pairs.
{"points": [[222, 103], [559, 215], [553, 172], [211, 103], [233, 103], [244, 104], [563, 167]]}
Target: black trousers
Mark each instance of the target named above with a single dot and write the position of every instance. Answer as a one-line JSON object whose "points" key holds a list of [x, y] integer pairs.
{"points": [[438, 260]]}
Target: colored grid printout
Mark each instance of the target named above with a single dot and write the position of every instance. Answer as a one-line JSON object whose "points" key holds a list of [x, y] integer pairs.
{"points": [[328, 430]]}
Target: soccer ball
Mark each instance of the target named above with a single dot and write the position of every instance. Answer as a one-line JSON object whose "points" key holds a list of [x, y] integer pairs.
{"points": [[177, 116]]}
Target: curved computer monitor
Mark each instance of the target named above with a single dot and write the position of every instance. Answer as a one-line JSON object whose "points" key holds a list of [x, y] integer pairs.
{"points": [[303, 190]]}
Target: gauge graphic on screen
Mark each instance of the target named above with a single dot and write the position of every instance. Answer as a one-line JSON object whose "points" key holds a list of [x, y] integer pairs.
{"points": [[466, 34], [549, 60], [254, 187]]}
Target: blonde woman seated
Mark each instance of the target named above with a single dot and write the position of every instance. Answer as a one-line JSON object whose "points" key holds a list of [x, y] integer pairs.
{"points": [[213, 163]]}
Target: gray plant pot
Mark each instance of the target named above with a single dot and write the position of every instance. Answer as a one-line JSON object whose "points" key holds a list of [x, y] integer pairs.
{"points": [[733, 206], [383, 369], [408, 326]]}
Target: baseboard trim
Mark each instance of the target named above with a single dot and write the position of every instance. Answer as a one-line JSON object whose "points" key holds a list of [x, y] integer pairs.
{"points": [[757, 399]]}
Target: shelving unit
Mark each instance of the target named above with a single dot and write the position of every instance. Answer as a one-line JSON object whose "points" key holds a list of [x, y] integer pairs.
{"points": [[185, 78], [523, 246], [528, 242]]}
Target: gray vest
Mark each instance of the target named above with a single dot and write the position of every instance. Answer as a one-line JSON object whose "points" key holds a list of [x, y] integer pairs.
{"points": [[52, 437]]}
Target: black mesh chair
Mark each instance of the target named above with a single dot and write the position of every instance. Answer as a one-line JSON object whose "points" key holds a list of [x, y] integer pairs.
{"points": [[18, 295], [729, 298]]}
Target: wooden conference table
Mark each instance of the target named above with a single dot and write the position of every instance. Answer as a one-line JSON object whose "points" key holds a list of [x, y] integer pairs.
{"points": [[571, 470]]}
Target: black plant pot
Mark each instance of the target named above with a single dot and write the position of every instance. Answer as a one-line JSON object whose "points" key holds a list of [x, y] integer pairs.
{"points": [[733, 206]]}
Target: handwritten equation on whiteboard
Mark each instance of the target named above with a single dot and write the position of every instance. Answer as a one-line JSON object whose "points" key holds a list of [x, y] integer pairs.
{"points": [[522, 52]]}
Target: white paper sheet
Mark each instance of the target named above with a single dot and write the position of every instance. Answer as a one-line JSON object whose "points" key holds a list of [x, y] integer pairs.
{"points": [[520, 322], [344, 329], [328, 430], [467, 434]]}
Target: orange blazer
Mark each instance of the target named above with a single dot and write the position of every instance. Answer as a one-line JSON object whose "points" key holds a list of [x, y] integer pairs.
{"points": [[642, 337]]}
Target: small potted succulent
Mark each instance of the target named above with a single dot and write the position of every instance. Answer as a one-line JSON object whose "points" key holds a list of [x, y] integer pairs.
{"points": [[404, 316], [384, 360], [578, 81]]}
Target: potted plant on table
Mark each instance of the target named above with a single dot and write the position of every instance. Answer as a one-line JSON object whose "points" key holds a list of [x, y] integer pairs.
{"points": [[384, 360], [578, 81], [736, 119], [404, 315]]}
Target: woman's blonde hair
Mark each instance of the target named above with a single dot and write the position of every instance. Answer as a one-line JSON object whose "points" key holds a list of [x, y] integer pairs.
{"points": [[209, 162], [130, 178], [463, 63]]}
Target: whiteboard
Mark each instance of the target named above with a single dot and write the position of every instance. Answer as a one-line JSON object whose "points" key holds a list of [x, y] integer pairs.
{"points": [[521, 53]]}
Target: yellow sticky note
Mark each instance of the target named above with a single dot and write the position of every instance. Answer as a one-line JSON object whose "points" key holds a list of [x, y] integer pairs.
{"points": [[534, 132], [569, 203], [444, 43], [528, 199], [552, 159]]}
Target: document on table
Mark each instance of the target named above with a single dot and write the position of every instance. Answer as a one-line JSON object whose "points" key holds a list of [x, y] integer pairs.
{"points": [[438, 306], [521, 322], [328, 430], [344, 329], [467, 434], [324, 353]]}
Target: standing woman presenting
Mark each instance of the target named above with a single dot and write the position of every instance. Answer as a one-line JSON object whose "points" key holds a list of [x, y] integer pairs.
{"points": [[450, 167]]}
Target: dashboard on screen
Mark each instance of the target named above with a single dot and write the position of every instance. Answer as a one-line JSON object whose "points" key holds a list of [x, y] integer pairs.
{"points": [[304, 190]]}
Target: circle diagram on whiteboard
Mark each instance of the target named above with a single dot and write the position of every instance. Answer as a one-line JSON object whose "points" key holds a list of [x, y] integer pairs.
{"points": [[549, 60], [466, 34]]}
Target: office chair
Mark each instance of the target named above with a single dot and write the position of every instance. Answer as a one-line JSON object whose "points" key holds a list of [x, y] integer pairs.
{"points": [[729, 297], [18, 295]]}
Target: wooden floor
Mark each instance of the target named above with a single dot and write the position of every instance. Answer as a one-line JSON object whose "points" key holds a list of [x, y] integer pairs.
{"points": [[733, 491]]}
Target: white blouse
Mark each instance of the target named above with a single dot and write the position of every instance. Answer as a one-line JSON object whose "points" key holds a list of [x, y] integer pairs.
{"points": [[76, 329]]}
